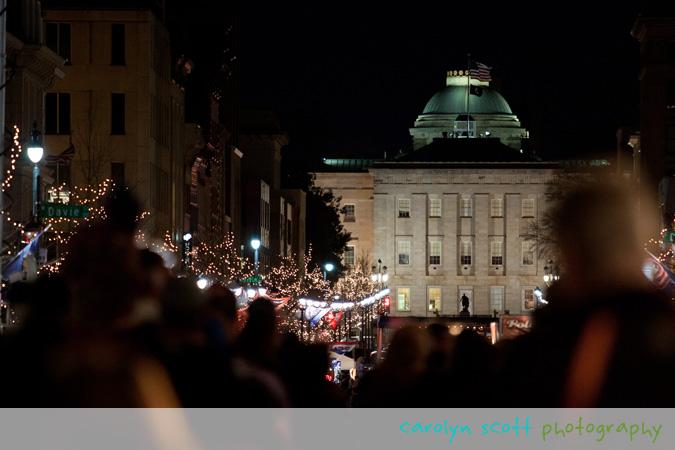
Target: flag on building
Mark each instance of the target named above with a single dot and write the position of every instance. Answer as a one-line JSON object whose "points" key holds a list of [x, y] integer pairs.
{"points": [[479, 71], [65, 157]]}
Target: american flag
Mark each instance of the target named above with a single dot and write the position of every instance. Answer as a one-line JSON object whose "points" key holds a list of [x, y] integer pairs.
{"points": [[479, 71], [64, 157]]}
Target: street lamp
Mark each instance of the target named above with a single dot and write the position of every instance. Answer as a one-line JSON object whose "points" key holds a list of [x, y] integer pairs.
{"points": [[255, 243], [327, 268], [380, 277], [35, 152], [549, 274]]}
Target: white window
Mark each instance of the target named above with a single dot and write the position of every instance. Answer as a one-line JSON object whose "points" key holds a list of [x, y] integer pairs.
{"points": [[404, 253], [528, 253], [349, 255], [403, 303], [349, 213], [434, 295], [434, 253], [465, 207], [465, 253], [404, 207], [528, 207], [528, 299], [496, 252], [497, 207], [497, 298], [435, 207]]}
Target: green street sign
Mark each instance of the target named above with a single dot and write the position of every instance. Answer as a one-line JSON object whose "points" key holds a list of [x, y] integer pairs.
{"points": [[669, 237], [253, 280], [58, 210]]}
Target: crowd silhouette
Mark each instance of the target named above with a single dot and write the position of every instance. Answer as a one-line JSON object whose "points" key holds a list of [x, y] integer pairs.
{"points": [[117, 329]]}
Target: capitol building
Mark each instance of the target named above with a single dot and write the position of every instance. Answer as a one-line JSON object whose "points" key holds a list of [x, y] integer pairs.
{"points": [[449, 219]]}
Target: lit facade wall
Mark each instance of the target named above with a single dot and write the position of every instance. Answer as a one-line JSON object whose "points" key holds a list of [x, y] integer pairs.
{"points": [[476, 236], [126, 116]]}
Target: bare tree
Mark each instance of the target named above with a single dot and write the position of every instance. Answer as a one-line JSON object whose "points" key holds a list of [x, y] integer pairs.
{"points": [[93, 151]]}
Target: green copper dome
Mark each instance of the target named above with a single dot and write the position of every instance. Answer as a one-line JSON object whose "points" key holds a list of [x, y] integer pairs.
{"points": [[452, 100]]}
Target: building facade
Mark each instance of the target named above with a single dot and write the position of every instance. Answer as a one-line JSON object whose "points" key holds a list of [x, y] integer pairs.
{"points": [[451, 230], [119, 108]]}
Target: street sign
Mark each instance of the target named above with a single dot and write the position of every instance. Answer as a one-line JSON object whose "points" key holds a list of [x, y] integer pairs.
{"points": [[58, 210], [669, 237], [253, 280]]}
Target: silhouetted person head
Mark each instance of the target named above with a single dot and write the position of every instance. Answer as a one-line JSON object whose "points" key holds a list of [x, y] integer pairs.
{"points": [[102, 270], [260, 341], [122, 210], [599, 239]]}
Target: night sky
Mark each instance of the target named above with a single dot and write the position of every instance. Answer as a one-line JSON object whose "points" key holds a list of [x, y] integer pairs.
{"points": [[351, 77]]}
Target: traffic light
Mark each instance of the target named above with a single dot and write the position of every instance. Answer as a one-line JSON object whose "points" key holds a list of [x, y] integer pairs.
{"points": [[333, 320], [386, 304]]}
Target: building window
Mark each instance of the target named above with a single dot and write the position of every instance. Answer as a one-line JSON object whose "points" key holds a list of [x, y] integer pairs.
{"points": [[117, 45], [349, 255], [435, 207], [497, 207], [465, 255], [434, 299], [117, 114], [349, 213], [497, 253], [434, 253], [465, 209], [404, 207], [403, 299], [497, 298], [528, 253], [57, 39], [528, 207], [528, 299], [57, 113], [404, 253], [117, 173]]}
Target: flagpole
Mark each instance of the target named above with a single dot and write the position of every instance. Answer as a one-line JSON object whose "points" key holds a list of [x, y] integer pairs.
{"points": [[468, 90]]}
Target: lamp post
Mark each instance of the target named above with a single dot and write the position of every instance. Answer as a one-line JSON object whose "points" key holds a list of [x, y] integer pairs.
{"points": [[255, 243], [380, 277], [186, 248], [549, 273], [35, 152], [328, 267], [303, 306]]}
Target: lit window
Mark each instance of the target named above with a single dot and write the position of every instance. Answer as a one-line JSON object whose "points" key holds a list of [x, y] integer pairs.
{"points": [[497, 298], [435, 299], [497, 255], [349, 213], [404, 207], [497, 208], [435, 207], [465, 255], [528, 253], [404, 253], [349, 255], [434, 253], [465, 209], [528, 299], [403, 299], [528, 207]]}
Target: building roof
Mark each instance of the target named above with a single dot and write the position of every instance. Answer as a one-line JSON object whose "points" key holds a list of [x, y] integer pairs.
{"points": [[452, 100], [480, 150]]}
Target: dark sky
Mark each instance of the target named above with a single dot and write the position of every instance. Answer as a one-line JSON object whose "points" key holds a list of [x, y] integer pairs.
{"points": [[353, 76]]}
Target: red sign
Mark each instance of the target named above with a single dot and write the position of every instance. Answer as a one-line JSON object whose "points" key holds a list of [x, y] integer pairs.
{"points": [[514, 326]]}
